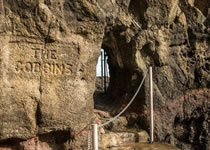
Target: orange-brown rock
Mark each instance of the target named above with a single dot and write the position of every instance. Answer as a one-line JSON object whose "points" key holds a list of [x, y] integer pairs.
{"points": [[48, 55]]}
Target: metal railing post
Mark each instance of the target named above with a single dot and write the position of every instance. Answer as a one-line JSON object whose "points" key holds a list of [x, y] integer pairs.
{"points": [[151, 107], [95, 137], [102, 71]]}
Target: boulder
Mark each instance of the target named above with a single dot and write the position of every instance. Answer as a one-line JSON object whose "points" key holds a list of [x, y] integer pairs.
{"points": [[48, 55]]}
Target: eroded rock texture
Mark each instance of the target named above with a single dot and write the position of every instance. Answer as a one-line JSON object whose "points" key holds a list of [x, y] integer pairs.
{"points": [[48, 58], [49, 51]]}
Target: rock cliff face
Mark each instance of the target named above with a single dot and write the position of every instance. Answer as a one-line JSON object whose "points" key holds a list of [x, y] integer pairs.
{"points": [[48, 55]]}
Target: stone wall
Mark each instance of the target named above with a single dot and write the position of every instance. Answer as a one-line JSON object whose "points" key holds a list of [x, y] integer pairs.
{"points": [[49, 51]]}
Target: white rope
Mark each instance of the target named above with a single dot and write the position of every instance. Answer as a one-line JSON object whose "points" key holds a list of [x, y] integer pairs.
{"points": [[134, 96]]}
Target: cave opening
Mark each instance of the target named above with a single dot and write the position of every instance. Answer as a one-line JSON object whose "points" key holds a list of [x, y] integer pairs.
{"points": [[125, 75], [122, 80]]}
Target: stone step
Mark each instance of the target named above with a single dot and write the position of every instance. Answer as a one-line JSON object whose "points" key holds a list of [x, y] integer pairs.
{"points": [[115, 139], [145, 146]]}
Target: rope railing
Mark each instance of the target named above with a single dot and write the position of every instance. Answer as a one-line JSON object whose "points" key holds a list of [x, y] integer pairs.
{"points": [[95, 126], [132, 99]]}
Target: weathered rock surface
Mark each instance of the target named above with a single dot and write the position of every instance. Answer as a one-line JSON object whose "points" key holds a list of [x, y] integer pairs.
{"points": [[48, 54], [47, 69]]}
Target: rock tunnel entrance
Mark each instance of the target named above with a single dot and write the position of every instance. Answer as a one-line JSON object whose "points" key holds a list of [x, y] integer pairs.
{"points": [[115, 89], [125, 75]]}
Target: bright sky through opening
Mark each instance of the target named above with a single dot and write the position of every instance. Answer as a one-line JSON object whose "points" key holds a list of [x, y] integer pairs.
{"points": [[98, 67]]}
